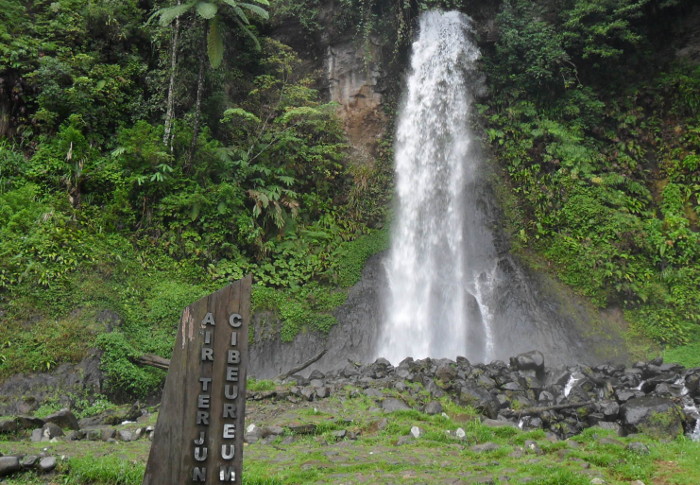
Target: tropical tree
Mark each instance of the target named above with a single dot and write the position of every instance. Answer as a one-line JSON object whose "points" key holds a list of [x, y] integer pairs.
{"points": [[210, 13]]}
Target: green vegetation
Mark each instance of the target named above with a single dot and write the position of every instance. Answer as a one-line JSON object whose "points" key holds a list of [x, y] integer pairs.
{"points": [[111, 222], [601, 151], [354, 442]]}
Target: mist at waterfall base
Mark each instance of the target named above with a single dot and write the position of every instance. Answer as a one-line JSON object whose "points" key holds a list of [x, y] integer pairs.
{"points": [[452, 290]]}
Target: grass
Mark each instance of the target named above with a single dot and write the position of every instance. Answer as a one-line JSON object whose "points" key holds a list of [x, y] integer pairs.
{"points": [[686, 355], [380, 456]]}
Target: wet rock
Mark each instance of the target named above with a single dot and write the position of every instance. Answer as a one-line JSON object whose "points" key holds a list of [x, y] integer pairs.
{"points": [[656, 416], [533, 360]]}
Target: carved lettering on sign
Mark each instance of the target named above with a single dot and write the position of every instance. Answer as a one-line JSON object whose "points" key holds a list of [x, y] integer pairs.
{"points": [[199, 436]]}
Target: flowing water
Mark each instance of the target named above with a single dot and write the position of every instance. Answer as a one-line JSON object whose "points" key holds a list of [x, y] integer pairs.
{"points": [[440, 269]]}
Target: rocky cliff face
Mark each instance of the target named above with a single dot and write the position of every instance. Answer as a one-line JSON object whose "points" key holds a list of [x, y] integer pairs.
{"points": [[540, 312]]}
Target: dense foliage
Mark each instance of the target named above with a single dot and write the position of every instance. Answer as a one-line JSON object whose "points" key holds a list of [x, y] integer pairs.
{"points": [[598, 127], [108, 228]]}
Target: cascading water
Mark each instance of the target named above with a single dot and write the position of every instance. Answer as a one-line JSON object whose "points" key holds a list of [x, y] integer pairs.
{"points": [[441, 269]]}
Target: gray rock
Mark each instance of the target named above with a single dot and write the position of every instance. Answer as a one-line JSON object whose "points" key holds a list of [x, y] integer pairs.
{"points": [[484, 447], [639, 448], [305, 428], [63, 418], [37, 434], [29, 461], [93, 434], [9, 464], [8, 426], [274, 430], [374, 393], [76, 435], [47, 464], [391, 404], [610, 410], [124, 435], [498, 423], [416, 432], [404, 440], [51, 430], [323, 392], [656, 416], [107, 434], [316, 383], [533, 360], [532, 447], [340, 434], [308, 393], [433, 407]]}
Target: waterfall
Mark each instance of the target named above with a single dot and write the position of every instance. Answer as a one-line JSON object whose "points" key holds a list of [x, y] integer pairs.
{"points": [[441, 268]]}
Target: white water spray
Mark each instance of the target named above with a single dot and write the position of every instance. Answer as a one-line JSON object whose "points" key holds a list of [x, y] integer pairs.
{"points": [[440, 264]]}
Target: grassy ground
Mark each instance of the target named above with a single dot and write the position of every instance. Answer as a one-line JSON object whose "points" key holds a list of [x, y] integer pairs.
{"points": [[382, 453]]}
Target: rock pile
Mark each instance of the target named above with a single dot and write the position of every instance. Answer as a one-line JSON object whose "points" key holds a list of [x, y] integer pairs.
{"points": [[652, 397]]}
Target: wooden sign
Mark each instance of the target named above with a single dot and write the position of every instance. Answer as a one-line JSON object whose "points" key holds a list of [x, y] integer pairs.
{"points": [[199, 434]]}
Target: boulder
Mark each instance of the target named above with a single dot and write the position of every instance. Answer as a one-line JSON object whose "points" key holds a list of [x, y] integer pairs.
{"points": [[51, 430], [529, 361], [8, 426], [480, 399], [433, 407], [47, 464], [9, 464], [63, 418], [392, 404], [656, 416]]}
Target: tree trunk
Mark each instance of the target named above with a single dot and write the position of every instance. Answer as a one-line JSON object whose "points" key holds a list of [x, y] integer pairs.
{"points": [[170, 109], [198, 102]]}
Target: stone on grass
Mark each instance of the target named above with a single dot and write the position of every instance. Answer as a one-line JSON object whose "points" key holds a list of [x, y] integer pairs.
{"points": [[433, 407], [485, 447], [47, 463], [460, 434], [37, 434], [658, 417], [416, 432], [124, 435], [28, 461], [51, 430], [392, 404], [63, 418], [9, 464], [639, 448], [404, 440], [8, 426], [340, 434]]}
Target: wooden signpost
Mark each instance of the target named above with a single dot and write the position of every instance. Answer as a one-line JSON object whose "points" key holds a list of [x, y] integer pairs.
{"points": [[199, 434]]}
